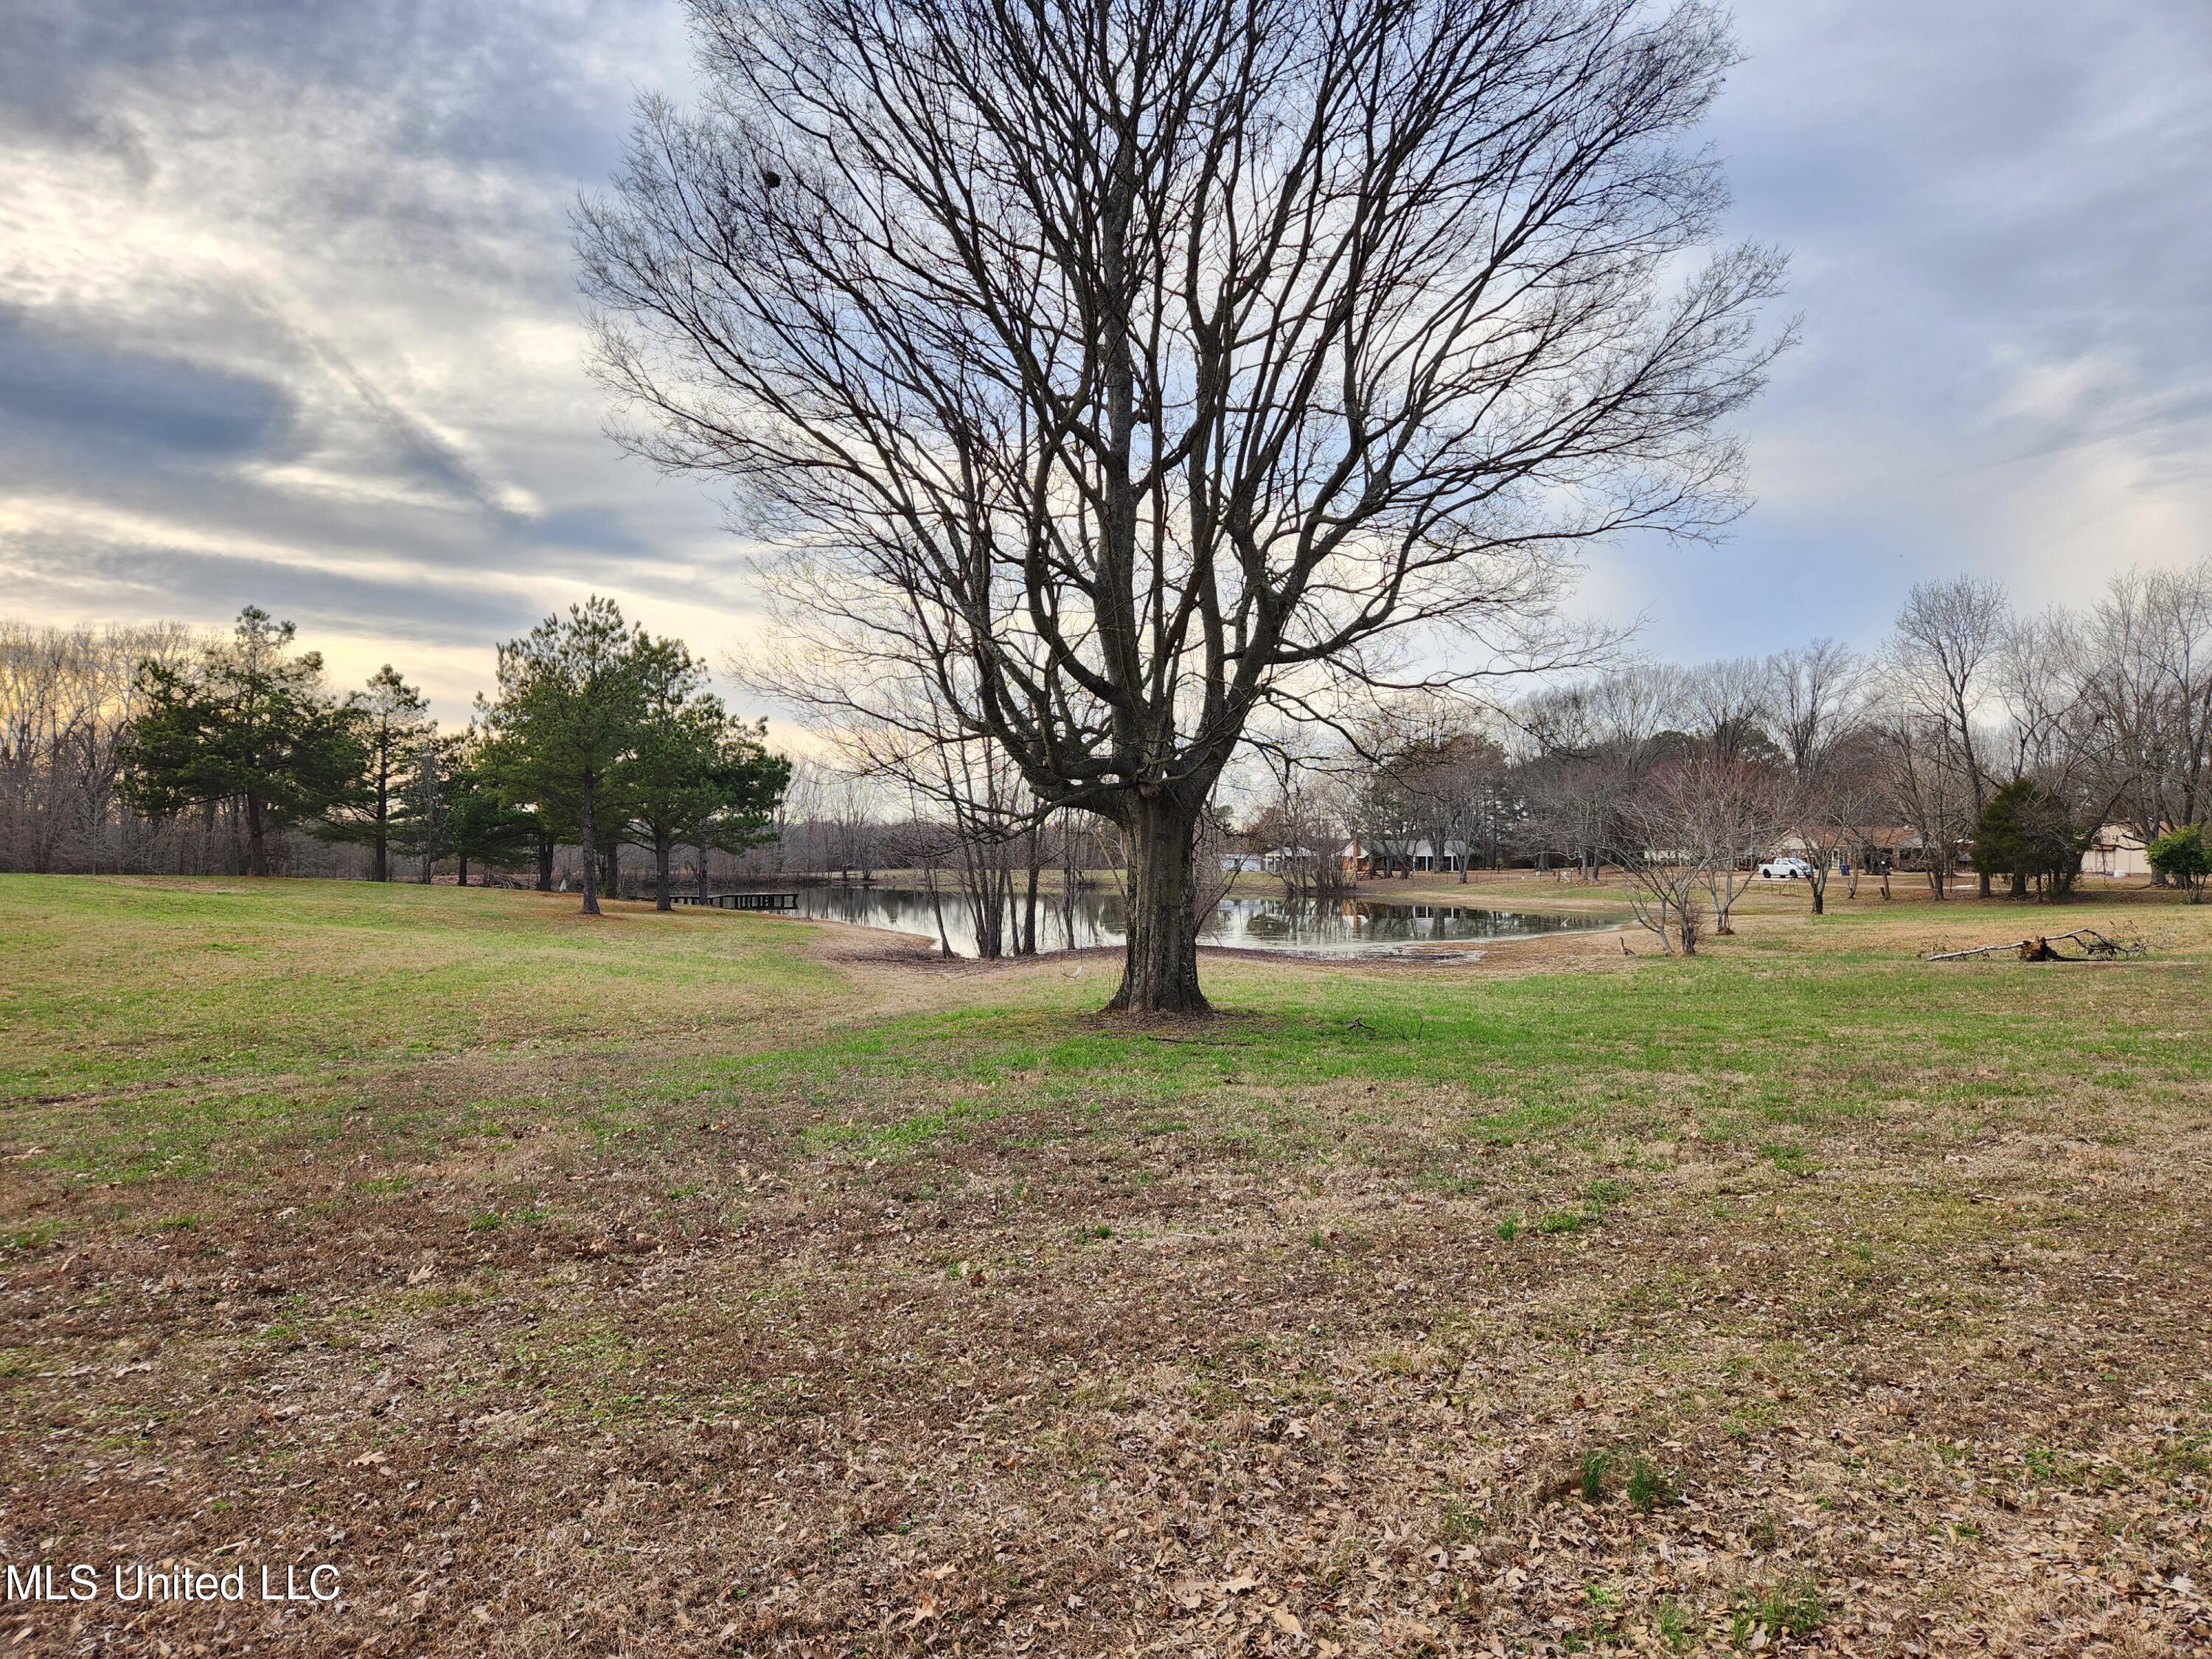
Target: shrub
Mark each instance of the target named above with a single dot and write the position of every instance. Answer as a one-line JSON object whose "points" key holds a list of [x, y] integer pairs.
{"points": [[2184, 856]]}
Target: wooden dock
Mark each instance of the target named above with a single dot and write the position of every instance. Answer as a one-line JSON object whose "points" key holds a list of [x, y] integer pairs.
{"points": [[741, 901]]}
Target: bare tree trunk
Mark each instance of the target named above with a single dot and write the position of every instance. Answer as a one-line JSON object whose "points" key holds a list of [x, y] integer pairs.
{"points": [[1071, 873], [937, 910], [257, 846], [461, 870], [590, 863], [702, 872], [1033, 851], [383, 817], [545, 862], [1159, 972], [663, 844]]}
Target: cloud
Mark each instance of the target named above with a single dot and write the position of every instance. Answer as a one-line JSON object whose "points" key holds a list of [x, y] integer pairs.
{"points": [[287, 314], [60, 391]]}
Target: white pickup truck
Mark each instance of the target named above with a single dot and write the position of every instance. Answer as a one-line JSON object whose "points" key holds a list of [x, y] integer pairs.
{"points": [[1788, 869]]}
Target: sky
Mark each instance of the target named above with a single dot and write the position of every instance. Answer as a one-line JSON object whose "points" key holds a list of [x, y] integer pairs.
{"points": [[288, 316]]}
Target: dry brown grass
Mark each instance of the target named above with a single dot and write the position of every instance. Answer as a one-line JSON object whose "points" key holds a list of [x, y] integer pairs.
{"points": [[931, 1339]]}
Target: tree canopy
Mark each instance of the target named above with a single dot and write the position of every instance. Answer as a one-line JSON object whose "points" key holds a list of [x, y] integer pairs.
{"points": [[569, 714], [246, 721]]}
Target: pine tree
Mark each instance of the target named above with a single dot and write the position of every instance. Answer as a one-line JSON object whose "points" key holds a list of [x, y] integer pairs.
{"points": [[568, 716], [695, 775], [2026, 832], [2184, 856], [483, 826], [394, 726], [247, 727]]}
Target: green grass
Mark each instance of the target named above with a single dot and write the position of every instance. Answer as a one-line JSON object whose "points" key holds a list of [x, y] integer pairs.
{"points": [[161, 1028], [106, 984], [171, 1030], [1744, 1048]]}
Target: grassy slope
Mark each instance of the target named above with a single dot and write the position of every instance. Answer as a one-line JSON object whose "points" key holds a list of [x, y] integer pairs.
{"points": [[1353, 1293]]}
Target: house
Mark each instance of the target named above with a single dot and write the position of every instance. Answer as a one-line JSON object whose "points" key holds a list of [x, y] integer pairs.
{"points": [[1868, 848], [2115, 850], [1270, 860], [1357, 859]]}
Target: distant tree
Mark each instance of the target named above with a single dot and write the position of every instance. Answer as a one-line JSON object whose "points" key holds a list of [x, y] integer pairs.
{"points": [[498, 760], [1925, 788], [1589, 748], [1426, 775], [2184, 856], [422, 820], [1813, 702], [742, 811], [245, 724], [2148, 651], [2026, 832], [483, 827], [570, 705], [693, 774], [1829, 816], [1945, 648], [1725, 706], [1384, 815], [394, 725]]}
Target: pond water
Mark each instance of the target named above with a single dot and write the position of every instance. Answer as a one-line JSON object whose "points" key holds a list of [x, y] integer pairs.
{"points": [[1361, 926]]}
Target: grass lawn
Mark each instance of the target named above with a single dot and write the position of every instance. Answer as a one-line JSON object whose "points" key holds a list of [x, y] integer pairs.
{"points": [[712, 1284]]}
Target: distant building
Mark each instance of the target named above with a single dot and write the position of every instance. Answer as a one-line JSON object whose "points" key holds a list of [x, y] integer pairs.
{"points": [[1359, 860], [2116, 851]]}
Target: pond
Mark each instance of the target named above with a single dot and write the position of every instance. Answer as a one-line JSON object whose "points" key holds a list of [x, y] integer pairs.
{"points": [[1361, 926]]}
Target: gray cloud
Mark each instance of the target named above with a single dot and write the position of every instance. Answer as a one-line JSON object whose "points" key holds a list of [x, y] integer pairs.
{"points": [[59, 392], [141, 579], [287, 314], [2000, 219]]}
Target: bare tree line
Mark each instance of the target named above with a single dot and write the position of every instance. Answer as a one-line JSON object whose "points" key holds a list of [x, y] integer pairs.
{"points": [[67, 696], [1975, 735]]}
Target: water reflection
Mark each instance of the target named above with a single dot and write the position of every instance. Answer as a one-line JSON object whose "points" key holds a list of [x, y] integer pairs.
{"points": [[1348, 926]]}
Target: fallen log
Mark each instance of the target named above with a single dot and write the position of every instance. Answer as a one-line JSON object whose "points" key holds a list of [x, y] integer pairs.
{"points": [[2044, 947]]}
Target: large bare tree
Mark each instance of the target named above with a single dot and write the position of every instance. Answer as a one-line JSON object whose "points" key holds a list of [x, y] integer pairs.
{"points": [[1116, 370]]}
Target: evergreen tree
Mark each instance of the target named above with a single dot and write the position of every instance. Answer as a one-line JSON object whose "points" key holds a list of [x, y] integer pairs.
{"points": [[568, 716], [695, 775], [422, 824], [247, 726], [740, 810], [483, 826], [394, 725], [2025, 831]]}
